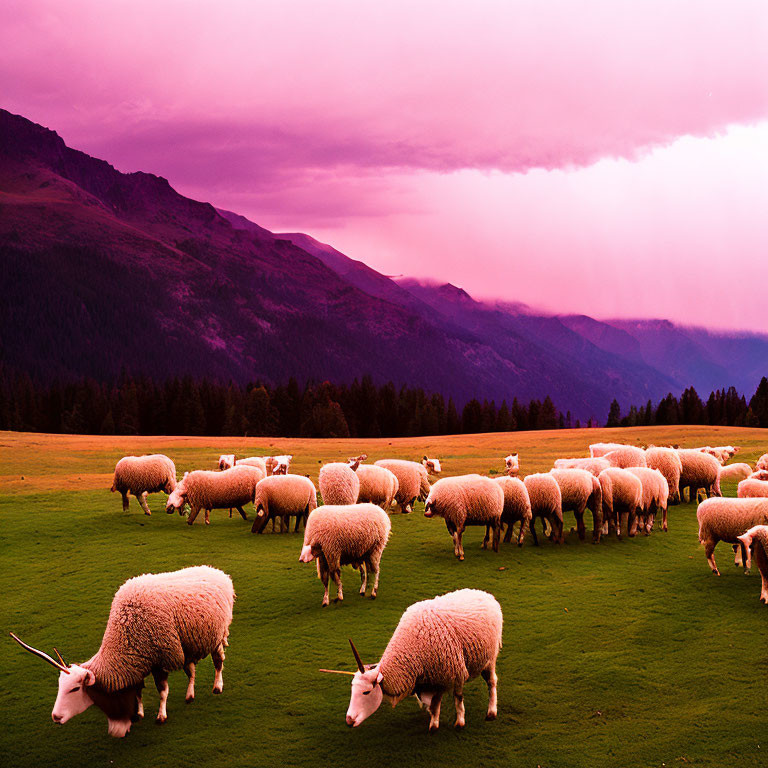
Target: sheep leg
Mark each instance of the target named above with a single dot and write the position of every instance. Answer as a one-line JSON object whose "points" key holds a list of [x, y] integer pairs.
{"points": [[664, 519], [622, 521], [490, 677], [193, 513], [737, 559], [207, 516], [458, 700], [189, 668], [521, 535], [242, 513], [434, 711], [336, 576], [284, 524], [142, 499], [161, 683], [458, 549], [363, 579], [496, 536], [373, 566], [580, 527], [533, 531], [633, 521], [746, 557], [709, 551], [762, 565], [124, 494], [218, 664], [324, 577], [139, 706], [487, 538], [274, 521], [508, 534]]}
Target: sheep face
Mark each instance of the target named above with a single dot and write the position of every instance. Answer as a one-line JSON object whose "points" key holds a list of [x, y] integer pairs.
{"points": [[226, 461], [72, 698], [176, 500], [308, 553], [366, 696]]}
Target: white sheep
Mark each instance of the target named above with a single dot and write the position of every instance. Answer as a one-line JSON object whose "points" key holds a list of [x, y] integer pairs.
{"points": [[412, 479], [752, 488], [283, 496], [732, 473], [346, 534], [755, 540], [158, 623], [438, 646], [760, 474], [278, 465], [141, 475], [700, 470], [512, 465], [432, 465], [596, 450], [377, 485], [725, 519], [339, 484], [622, 498], [668, 462], [579, 490], [595, 466], [467, 500], [626, 456], [655, 497], [201, 489], [546, 503], [517, 507], [762, 462]]}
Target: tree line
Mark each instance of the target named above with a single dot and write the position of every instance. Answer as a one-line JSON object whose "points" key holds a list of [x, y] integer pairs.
{"points": [[136, 405]]}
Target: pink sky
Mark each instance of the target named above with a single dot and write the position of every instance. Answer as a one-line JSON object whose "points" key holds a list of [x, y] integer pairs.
{"points": [[608, 157]]}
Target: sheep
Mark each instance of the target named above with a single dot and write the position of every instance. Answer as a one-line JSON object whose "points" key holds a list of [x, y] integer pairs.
{"points": [[699, 470], [546, 503], [722, 452], [282, 496], [655, 497], [377, 485], [412, 479], [278, 465], [467, 500], [762, 462], [752, 488], [756, 540], [626, 456], [206, 490], [725, 520], [355, 461], [580, 489], [158, 623], [437, 646], [346, 534], [595, 466], [512, 465], [517, 507], [254, 461], [339, 484], [432, 465], [732, 473], [668, 462], [760, 474], [141, 475], [622, 498], [596, 450], [226, 461]]}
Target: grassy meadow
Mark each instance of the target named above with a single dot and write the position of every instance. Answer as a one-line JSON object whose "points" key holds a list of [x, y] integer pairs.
{"points": [[627, 654]]}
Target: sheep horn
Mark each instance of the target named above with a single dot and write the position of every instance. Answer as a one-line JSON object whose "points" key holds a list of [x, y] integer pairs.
{"points": [[42, 655], [58, 655], [360, 664], [337, 671]]}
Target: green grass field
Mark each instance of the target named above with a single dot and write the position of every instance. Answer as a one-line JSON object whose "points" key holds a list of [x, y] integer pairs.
{"points": [[624, 654]]}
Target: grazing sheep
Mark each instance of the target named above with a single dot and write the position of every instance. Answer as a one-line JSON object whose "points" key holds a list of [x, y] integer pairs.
{"points": [[725, 520], [377, 485], [752, 488], [546, 503], [761, 474], [755, 540], [596, 450], [339, 483], [227, 461], [655, 497], [141, 475], [467, 500], [282, 496], [626, 456], [432, 465], [413, 481], [355, 461], [667, 461], [517, 507], [622, 498], [732, 473], [512, 465], [206, 490], [346, 534], [700, 470], [580, 490], [158, 623], [278, 465], [762, 462], [594, 466], [254, 461], [437, 646]]}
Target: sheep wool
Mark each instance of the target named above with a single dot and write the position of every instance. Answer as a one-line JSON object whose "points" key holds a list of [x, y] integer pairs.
{"points": [[699, 470], [724, 519], [441, 643], [626, 456], [762, 462], [752, 488], [467, 500], [655, 496], [339, 484], [732, 473], [206, 490], [667, 461], [622, 497], [377, 485], [141, 475], [253, 461], [594, 466], [413, 481], [517, 507], [346, 534], [579, 490], [283, 496], [546, 503], [756, 540], [600, 449]]}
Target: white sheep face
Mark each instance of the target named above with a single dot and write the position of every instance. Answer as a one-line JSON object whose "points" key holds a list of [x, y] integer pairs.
{"points": [[176, 501], [366, 696], [226, 461], [72, 698], [307, 554]]}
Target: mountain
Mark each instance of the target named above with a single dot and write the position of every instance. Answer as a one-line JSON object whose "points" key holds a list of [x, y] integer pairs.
{"points": [[105, 271]]}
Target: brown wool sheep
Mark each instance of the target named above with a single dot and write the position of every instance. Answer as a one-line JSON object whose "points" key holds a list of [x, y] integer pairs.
{"points": [[579, 490], [413, 481], [467, 500], [546, 503], [517, 507], [377, 485], [339, 484], [141, 475], [622, 499], [283, 496]]}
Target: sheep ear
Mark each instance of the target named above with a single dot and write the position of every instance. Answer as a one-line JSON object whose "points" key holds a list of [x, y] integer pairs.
{"points": [[89, 679], [379, 678]]}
